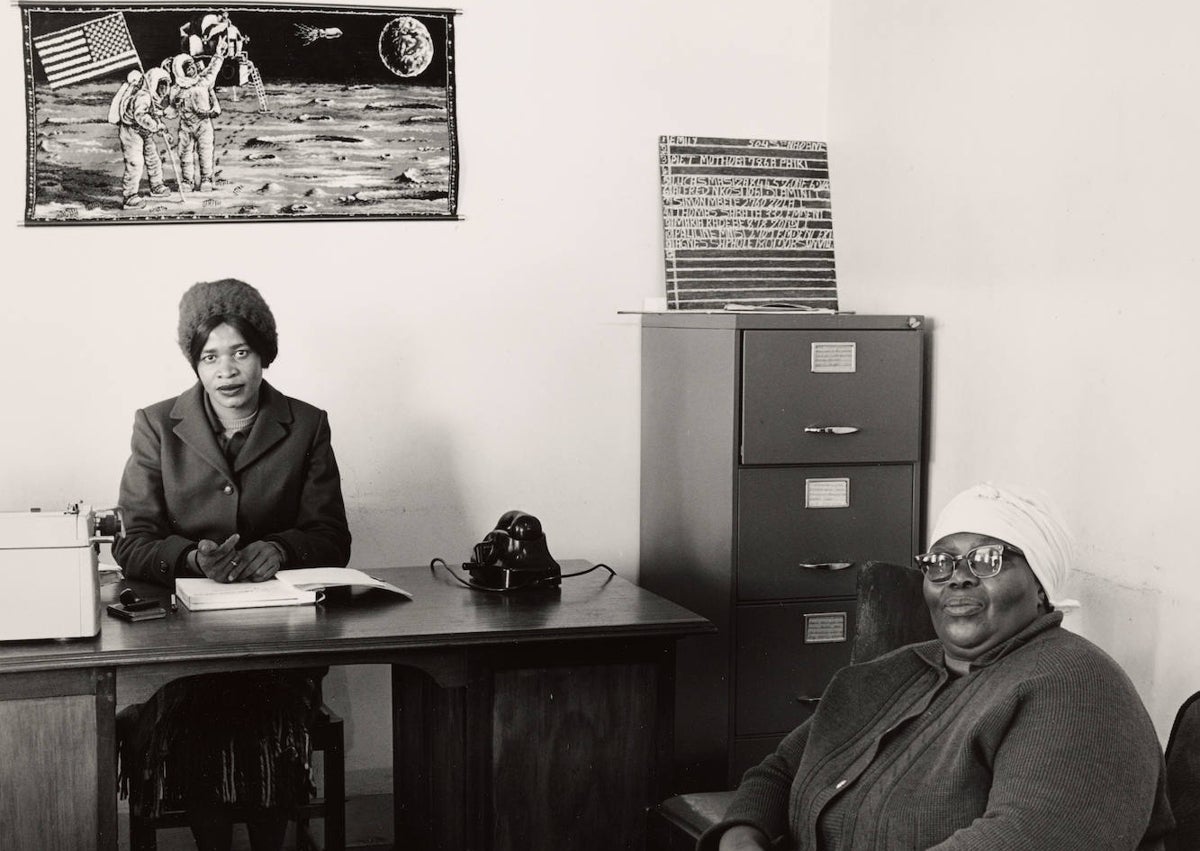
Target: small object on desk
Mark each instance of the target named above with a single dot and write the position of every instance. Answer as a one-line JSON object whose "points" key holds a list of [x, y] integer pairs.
{"points": [[144, 613], [131, 602], [513, 555], [49, 557], [297, 587], [174, 604]]}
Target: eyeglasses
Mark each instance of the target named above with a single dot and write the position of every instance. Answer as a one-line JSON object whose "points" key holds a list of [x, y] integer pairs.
{"points": [[984, 562]]}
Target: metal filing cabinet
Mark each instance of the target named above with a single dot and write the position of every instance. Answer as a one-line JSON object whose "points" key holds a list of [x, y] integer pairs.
{"points": [[778, 450]]}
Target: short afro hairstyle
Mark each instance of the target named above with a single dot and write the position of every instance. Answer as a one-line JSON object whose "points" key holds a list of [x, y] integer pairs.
{"points": [[228, 301]]}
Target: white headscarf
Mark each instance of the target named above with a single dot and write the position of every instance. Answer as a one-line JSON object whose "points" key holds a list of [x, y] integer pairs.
{"points": [[1021, 518]]}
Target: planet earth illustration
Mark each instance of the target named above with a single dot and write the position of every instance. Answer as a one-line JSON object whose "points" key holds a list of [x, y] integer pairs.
{"points": [[405, 46]]}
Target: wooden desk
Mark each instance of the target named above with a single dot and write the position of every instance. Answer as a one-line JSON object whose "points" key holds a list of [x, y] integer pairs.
{"points": [[525, 720]]}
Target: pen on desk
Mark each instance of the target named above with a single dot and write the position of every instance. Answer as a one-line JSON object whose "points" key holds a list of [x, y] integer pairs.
{"points": [[174, 605]]}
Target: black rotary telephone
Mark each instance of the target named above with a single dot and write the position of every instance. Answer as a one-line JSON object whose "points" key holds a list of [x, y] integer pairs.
{"points": [[513, 555]]}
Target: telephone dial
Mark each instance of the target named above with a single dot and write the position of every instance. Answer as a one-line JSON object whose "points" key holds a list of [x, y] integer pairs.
{"points": [[513, 555]]}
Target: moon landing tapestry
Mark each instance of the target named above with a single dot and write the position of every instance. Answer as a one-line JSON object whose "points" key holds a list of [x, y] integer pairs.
{"points": [[184, 113]]}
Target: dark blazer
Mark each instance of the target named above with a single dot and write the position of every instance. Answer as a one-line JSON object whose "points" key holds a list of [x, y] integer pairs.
{"points": [[178, 488]]}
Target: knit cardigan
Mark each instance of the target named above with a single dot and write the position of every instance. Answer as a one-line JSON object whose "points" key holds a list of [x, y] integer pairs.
{"points": [[1044, 744]]}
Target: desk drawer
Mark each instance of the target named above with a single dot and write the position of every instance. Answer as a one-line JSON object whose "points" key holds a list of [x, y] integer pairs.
{"points": [[786, 521], [786, 655], [866, 380]]}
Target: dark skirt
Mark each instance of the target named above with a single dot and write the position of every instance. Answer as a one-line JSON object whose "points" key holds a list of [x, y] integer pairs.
{"points": [[235, 738]]}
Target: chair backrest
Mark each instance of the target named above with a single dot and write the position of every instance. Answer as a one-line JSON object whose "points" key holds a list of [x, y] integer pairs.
{"points": [[891, 610], [1183, 774]]}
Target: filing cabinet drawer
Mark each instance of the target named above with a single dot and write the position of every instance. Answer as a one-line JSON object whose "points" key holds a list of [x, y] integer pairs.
{"points": [[869, 381], [786, 655], [789, 530]]}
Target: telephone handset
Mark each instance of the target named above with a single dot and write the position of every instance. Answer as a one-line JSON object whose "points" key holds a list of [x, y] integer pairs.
{"points": [[514, 555]]}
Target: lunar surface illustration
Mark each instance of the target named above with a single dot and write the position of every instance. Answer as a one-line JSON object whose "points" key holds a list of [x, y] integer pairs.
{"points": [[321, 150], [405, 47]]}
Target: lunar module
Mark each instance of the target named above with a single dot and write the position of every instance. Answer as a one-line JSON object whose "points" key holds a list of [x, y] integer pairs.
{"points": [[202, 36]]}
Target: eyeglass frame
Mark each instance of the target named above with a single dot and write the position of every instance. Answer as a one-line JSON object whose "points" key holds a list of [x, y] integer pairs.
{"points": [[966, 557]]}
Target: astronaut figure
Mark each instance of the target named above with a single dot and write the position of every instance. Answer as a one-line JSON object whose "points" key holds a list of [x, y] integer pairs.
{"points": [[195, 99], [139, 117]]}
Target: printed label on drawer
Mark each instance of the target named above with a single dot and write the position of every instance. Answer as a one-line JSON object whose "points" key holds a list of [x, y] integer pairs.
{"points": [[834, 357], [825, 628], [826, 493]]}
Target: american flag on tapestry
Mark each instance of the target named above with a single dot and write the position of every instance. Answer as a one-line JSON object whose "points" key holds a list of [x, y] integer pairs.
{"points": [[86, 50]]}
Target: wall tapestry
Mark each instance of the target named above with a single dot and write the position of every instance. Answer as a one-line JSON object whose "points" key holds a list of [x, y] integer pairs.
{"points": [[747, 222], [183, 113]]}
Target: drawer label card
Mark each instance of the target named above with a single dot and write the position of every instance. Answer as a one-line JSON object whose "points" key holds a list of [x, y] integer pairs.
{"points": [[827, 493], [835, 357], [824, 627]]}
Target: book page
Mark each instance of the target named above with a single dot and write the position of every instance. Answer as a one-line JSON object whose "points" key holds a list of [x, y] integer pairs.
{"points": [[323, 577], [202, 592], [313, 578]]}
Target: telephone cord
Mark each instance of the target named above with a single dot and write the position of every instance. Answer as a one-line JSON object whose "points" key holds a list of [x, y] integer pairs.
{"points": [[537, 583]]}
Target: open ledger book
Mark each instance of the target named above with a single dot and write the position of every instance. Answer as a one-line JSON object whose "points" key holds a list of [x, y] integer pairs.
{"points": [[287, 588]]}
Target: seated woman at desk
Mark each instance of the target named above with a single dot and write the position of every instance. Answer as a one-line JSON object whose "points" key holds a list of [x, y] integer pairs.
{"points": [[1006, 732], [231, 480]]}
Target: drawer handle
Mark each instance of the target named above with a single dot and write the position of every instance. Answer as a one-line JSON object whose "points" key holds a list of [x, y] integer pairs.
{"points": [[808, 701], [826, 565], [831, 429]]}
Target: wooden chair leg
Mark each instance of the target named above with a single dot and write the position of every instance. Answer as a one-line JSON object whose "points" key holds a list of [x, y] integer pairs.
{"points": [[142, 835], [335, 790], [331, 744], [304, 841]]}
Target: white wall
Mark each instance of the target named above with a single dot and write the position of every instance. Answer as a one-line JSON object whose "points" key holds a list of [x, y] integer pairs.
{"points": [[515, 383], [1025, 174]]}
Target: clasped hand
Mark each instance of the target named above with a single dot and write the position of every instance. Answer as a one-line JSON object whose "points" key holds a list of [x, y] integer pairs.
{"points": [[256, 562]]}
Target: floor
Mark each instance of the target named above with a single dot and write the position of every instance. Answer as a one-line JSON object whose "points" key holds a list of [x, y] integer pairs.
{"points": [[368, 828]]}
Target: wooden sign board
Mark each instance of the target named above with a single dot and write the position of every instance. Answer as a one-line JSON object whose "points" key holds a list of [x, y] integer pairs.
{"points": [[747, 222]]}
